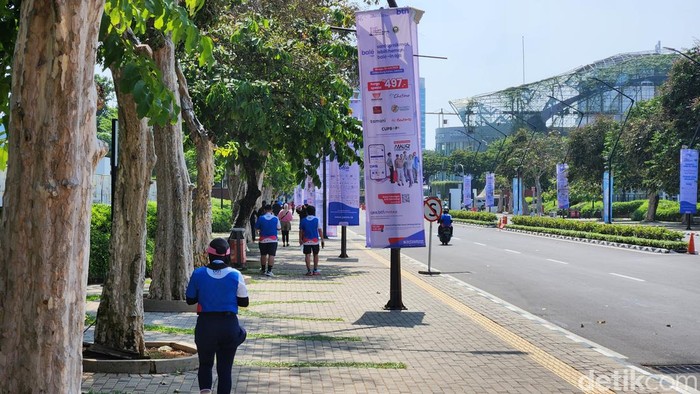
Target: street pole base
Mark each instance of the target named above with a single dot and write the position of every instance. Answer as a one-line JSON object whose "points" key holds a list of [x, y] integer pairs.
{"points": [[343, 256], [429, 272], [393, 306]]}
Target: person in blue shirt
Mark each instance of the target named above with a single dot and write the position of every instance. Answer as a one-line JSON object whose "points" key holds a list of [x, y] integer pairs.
{"points": [[310, 233], [218, 290], [268, 224], [445, 219]]}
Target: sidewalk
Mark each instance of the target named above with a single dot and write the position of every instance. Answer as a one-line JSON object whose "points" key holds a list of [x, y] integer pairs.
{"points": [[452, 338]]}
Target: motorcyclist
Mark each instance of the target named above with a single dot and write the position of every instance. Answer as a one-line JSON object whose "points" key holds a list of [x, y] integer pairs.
{"points": [[445, 228]]}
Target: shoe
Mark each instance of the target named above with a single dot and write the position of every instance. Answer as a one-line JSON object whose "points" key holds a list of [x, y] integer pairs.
{"points": [[262, 270], [269, 273], [317, 272], [309, 273]]}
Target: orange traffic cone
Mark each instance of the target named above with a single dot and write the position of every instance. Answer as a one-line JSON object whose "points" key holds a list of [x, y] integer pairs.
{"points": [[691, 244], [505, 220], [500, 223]]}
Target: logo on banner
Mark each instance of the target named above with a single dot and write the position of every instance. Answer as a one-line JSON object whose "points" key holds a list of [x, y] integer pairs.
{"points": [[377, 121], [390, 128], [396, 108], [376, 97], [377, 109], [400, 95], [400, 120], [378, 227], [390, 198], [402, 145], [369, 52], [377, 31]]}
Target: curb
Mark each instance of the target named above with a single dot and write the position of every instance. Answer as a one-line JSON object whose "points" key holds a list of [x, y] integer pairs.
{"points": [[146, 366]]}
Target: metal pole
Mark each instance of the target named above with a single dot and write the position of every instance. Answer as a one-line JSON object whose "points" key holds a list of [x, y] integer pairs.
{"points": [[395, 302], [430, 245], [343, 242]]}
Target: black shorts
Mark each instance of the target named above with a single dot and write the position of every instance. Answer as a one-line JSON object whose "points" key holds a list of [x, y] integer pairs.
{"points": [[311, 248], [268, 248]]}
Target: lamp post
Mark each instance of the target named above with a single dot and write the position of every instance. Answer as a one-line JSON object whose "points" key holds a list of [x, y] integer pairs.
{"points": [[609, 179], [577, 126]]}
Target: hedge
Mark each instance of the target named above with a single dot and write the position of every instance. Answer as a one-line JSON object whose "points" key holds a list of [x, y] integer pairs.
{"points": [[101, 228], [637, 231], [470, 216], [656, 243]]}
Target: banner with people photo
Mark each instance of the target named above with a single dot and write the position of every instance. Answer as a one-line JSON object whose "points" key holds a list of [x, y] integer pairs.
{"points": [[387, 42], [562, 186], [467, 191], [490, 186]]}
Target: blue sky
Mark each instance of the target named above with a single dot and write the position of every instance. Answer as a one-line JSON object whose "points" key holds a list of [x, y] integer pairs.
{"points": [[483, 40]]}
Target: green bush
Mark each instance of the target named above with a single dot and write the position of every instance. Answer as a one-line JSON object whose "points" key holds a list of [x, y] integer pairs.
{"points": [[100, 234], [221, 221], [656, 243], [622, 230], [625, 209], [483, 217]]}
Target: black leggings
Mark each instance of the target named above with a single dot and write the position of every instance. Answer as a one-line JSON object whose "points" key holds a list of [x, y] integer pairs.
{"points": [[285, 237], [220, 336]]}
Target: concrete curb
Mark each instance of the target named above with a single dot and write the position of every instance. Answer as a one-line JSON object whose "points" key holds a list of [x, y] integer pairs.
{"points": [[146, 366], [594, 241]]}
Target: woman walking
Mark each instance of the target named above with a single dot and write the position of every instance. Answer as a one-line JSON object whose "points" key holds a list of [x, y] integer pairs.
{"points": [[285, 216], [218, 290]]}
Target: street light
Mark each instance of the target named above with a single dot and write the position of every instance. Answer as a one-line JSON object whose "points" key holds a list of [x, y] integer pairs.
{"points": [[683, 54], [577, 126], [612, 152]]}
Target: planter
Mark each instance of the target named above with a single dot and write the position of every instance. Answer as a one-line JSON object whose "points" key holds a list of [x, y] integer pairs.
{"points": [[146, 366]]}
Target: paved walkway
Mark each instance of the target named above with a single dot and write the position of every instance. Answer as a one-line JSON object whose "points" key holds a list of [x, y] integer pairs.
{"points": [[452, 338]]}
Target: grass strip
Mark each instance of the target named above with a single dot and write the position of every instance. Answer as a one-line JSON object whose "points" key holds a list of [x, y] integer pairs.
{"points": [[246, 312], [477, 222], [94, 297], [320, 364], [190, 331]]}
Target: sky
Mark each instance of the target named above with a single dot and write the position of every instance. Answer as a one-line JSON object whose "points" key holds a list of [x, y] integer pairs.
{"points": [[483, 41]]}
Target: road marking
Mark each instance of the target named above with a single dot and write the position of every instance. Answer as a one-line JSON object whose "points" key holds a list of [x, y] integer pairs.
{"points": [[628, 277], [512, 251], [541, 356], [557, 261], [479, 243]]}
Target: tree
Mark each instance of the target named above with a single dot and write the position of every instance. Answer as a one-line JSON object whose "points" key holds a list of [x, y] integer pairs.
{"points": [[44, 239], [586, 156], [544, 152], [433, 162]]}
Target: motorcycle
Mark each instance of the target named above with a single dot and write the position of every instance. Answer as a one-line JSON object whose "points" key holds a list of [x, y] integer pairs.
{"points": [[445, 234]]}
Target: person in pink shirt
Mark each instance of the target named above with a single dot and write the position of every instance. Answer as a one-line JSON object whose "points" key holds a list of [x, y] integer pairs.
{"points": [[285, 216]]}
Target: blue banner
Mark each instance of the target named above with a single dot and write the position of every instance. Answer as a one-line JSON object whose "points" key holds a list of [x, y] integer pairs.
{"points": [[517, 197], [490, 186], [689, 181], [607, 196], [344, 194], [563, 186]]}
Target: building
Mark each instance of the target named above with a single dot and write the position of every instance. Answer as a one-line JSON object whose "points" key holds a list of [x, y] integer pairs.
{"points": [[566, 101]]}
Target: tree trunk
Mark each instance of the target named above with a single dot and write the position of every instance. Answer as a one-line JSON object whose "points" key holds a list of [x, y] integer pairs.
{"points": [[653, 204], [120, 315], [45, 227], [538, 192], [201, 201], [172, 257], [526, 206], [253, 170], [236, 187], [500, 201]]}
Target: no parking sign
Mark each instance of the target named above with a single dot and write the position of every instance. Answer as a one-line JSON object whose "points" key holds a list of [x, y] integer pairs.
{"points": [[432, 209]]}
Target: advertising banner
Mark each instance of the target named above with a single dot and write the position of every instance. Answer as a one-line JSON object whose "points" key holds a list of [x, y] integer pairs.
{"points": [[387, 43], [309, 192], [517, 197], [607, 196], [563, 185], [467, 191], [343, 194], [689, 181], [490, 186], [298, 195]]}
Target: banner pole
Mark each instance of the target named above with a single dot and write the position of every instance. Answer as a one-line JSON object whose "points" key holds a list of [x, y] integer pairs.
{"points": [[343, 242]]}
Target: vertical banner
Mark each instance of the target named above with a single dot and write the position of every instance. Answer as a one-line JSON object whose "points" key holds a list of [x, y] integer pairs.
{"points": [[387, 42], [309, 192], [607, 196], [490, 186], [467, 191], [517, 197], [298, 195], [344, 194], [563, 185], [689, 181]]}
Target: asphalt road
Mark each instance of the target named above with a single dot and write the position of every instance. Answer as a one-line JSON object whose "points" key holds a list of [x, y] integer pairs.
{"points": [[643, 305]]}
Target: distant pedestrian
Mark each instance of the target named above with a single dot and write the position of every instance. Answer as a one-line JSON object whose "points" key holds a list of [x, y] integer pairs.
{"points": [[285, 217], [310, 233], [268, 224], [276, 208], [218, 290]]}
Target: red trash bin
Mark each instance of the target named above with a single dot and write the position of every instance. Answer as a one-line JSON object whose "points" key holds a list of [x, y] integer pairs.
{"points": [[236, 241]]}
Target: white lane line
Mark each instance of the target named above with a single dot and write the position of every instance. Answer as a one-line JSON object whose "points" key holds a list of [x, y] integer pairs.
{"points": [[458, 239], [628, 277], [557, 261], [479, 243], [512, 251]]}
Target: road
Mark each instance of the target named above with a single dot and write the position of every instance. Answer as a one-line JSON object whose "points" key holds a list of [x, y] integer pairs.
{"points": [[642, 305]]}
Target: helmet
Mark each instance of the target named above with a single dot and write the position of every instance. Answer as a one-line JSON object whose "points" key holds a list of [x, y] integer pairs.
{"points": [[445, 210]]}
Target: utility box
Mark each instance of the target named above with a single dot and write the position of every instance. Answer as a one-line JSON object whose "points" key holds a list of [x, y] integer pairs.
{"points": [[236, 242]]}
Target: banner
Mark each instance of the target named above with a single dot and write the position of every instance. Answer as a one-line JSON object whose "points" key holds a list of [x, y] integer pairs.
{"points": [[607, 197], [298, 195], [467, 191], [689, 181], [563, 185], [344, 194], [517, 197], [309, 191], [387, 42], [490, 186]]}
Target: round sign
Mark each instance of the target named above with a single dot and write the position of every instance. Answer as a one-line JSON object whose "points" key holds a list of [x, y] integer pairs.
{"points": [[432, 207]]}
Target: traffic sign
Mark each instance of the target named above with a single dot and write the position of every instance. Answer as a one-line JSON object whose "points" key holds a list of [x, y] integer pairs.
{"points": [[432, 207]]}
